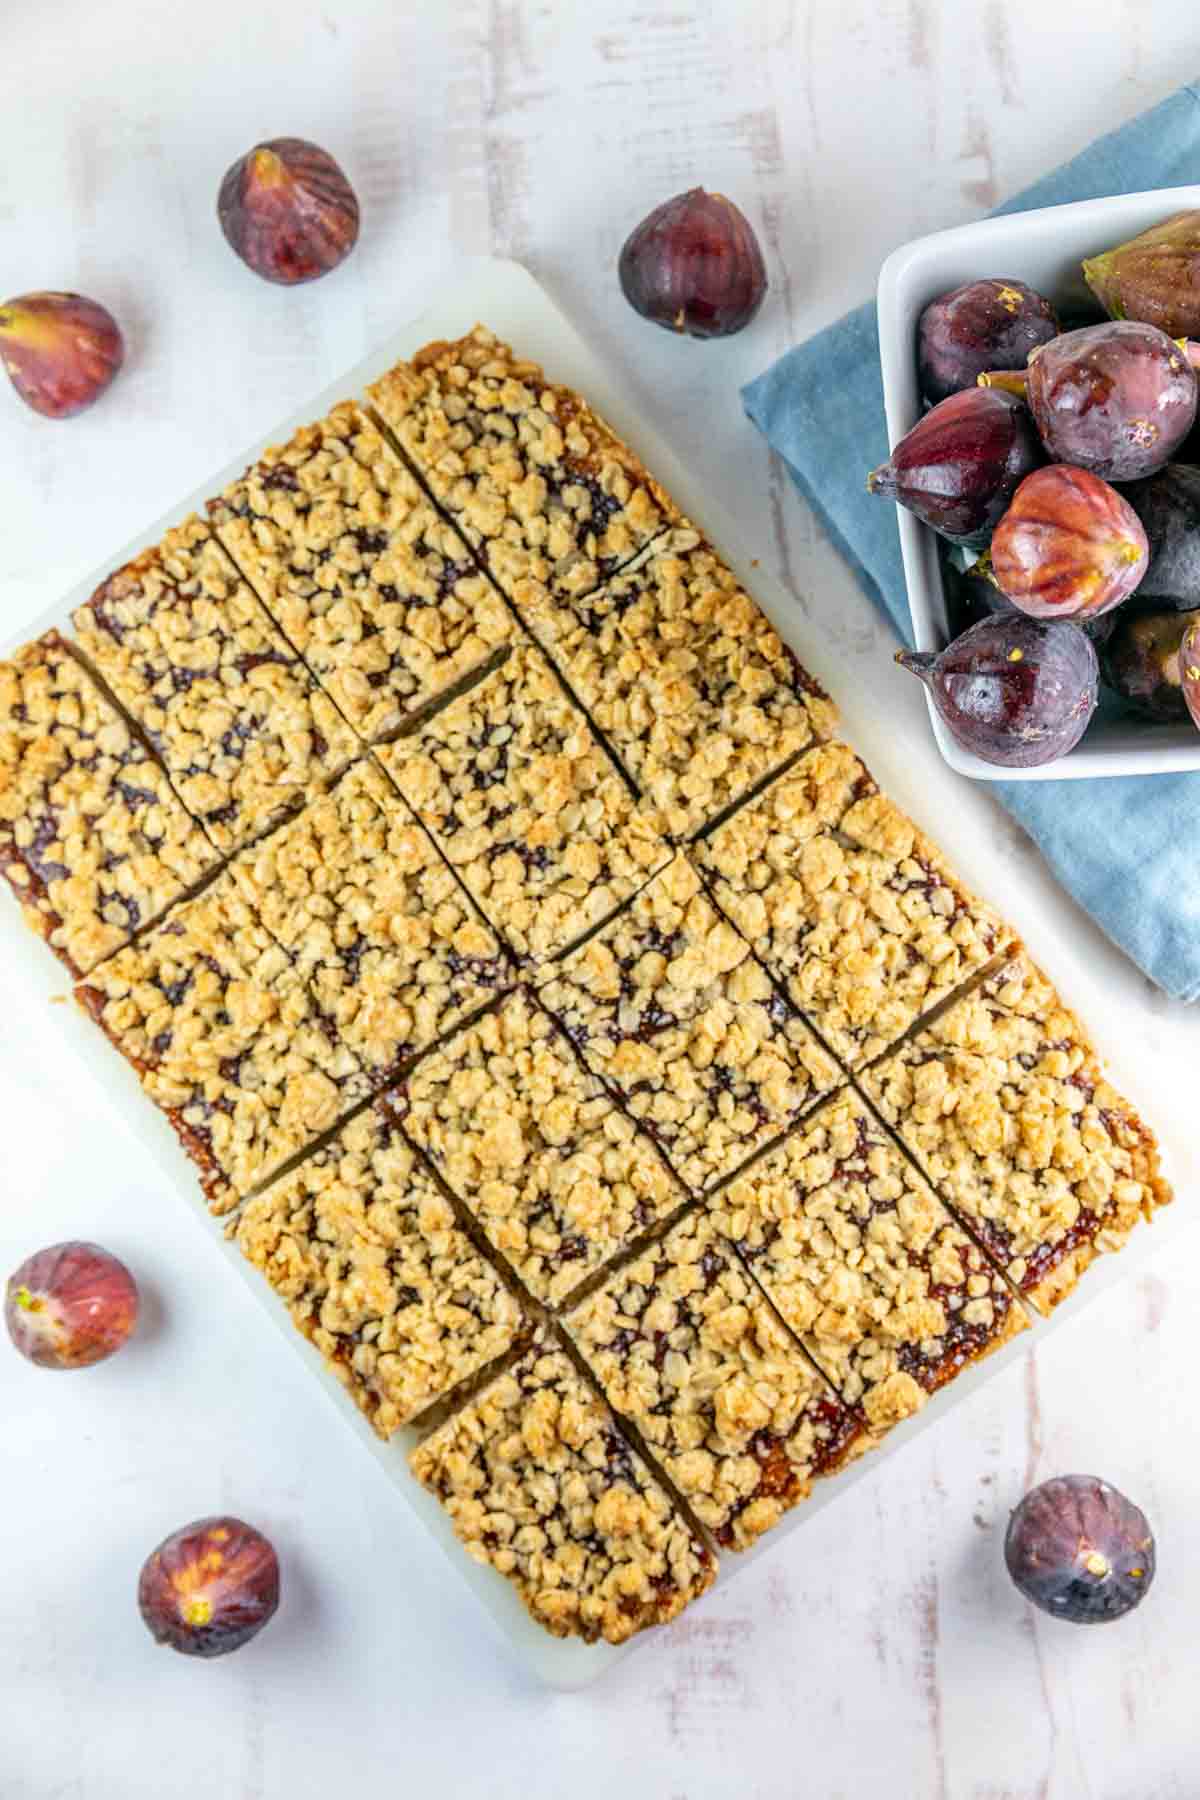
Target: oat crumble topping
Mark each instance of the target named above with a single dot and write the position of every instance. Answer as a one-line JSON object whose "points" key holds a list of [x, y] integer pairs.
{"points": [[393, 950], [364, 1249], [669, 1007], [685, 1346], [526, 805], [541, 1486], [1003, 1103], [851, 908], [558, 1177], [375, 589], [885, 1290], [94, 842]]}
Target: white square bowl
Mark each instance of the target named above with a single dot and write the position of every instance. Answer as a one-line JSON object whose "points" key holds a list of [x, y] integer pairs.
{"points": [[1045, 249]]}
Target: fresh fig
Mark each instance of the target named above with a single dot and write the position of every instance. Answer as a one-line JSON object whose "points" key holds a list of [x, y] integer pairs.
{"points": [[1117, 399], [1189, 667], [959, 466], [1168, 504], [1013, 690], [694, 265], [60, 350], [288, 211], [1140, 662], [982, 325], [1069, 546], [1155, 277], [70, 1306], [209, 1587], [1080, 1550]]}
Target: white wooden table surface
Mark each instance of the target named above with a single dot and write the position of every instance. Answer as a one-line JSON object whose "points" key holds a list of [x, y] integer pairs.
{"points": [[880, 1651]]}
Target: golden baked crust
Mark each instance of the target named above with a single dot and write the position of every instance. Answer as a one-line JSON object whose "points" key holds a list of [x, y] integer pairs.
{"points": [[669, 1007], [1003, 1103], [542, 1487], [881, 1284], [363, 1247], [94, 842], [687, 1349], [242, 729], [378, 593]]}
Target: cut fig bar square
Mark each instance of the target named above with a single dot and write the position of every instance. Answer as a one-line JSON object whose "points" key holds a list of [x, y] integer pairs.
{"points": [[686, 1348], [392, 948], [537, 482], [220, 1027], [377, 592], [881, 1284], [669, 1007], [685, 678], [850, 907], [94, 842], [1003, 1103], [557, 1175], [364, 1249], [526, 806], [243, 730], [541, 1486]]}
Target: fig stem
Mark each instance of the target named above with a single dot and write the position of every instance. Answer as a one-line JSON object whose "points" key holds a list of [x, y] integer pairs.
{"points": [[1013, 381], [1191, 349], [918, 662], [882, 480]]}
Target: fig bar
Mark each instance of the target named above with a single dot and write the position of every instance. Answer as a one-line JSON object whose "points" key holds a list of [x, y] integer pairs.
{"points": [[526, 806], [355, 892], [685, 678], [541, 1486], [1002, 1102], [558, 1177], [217, 1022], [669, 1007], [538, 483], [364, 1249], [883, 1287], [243, 731], [377, 592], [94, 842], [849, 906], [687, 1349]]}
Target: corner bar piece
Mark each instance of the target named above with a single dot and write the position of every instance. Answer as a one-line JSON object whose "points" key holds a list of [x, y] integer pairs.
{"points": [[378, 593], [558, 1177], [541, 1486], [669, 1007], [364, 1249], [538, 483], [883, 1287], [243, 730], [686, 1348], [1002, 1102], [525, 804], [94, 842], [850, 907]]}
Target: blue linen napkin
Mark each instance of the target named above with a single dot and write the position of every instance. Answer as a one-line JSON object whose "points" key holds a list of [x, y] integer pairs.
{"points": [[1131, 854]]}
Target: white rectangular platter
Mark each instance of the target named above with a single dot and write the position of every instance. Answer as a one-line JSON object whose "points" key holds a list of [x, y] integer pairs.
{"points": [[507, 298]]}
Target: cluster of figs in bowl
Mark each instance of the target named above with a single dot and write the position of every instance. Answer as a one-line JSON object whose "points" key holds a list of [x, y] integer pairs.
{"points": [[1059, 464]]}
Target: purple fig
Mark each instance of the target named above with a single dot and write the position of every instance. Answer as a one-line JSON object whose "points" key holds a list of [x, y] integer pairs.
{"points": [[1012, 690], [983, 325], [959, 466], [1140, 662], [288, 211], [1069, 546], [60, 350], [1116, 399], [1168, 504], [1189, 667], [694, 265], [1080, 1550], [1155, 277]]}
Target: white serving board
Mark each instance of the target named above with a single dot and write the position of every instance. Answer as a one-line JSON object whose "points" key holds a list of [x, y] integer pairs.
{"points": [[507, 298]]}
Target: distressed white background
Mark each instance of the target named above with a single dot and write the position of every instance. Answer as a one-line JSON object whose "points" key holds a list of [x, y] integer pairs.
{"points": [[880, 1651]]}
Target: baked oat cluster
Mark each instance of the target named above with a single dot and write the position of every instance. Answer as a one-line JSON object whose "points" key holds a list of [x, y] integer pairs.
{"points": [[627, 1102]]}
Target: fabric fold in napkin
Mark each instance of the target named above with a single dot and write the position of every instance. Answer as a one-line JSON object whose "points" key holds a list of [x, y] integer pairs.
{"points": [[1128, 848]]}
